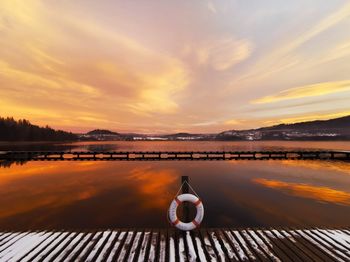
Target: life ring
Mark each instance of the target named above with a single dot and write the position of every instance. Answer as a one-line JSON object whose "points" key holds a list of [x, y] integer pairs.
{"points": [[173, 216]]}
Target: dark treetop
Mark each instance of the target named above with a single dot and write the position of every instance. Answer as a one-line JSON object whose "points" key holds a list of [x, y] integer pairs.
{"points": [[23, 130]]}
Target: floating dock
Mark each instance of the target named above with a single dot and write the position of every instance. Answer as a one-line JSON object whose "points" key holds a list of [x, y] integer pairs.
{"points": [[174, 155], [170, 245]]}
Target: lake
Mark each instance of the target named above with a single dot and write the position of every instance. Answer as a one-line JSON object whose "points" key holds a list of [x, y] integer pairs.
{"points": [[109, 194]]}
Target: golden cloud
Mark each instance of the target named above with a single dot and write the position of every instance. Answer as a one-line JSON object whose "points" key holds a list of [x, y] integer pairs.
{"points": [[307, 117], [232, 122], [319, 89], [131, 79]]}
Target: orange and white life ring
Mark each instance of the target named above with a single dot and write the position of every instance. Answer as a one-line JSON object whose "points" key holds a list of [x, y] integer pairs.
{"points": [[196, 221]]}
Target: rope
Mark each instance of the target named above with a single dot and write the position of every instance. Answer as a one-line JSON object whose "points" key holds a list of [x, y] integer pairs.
{"points": [[194, 191], [180, 188]]}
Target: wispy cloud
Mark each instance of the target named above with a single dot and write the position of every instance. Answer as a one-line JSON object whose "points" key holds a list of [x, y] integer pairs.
{"points": [[211, 7], [319, 89], [331, 20], [222, 54], [283, 56]]}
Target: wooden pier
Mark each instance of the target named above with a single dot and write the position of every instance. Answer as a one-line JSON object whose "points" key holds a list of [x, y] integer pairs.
{"points": [[170, 245], [173, 155]]}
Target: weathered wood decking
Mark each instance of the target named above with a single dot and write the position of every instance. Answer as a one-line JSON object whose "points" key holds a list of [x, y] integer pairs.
{"points": [[173, 155], [170, 245]]}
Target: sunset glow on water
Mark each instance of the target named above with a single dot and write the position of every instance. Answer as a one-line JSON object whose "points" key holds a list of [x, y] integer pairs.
{"points": [[100, 194]]}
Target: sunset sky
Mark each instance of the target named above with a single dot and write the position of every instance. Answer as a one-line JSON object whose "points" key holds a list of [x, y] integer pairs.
{"points": [[172, 66]]}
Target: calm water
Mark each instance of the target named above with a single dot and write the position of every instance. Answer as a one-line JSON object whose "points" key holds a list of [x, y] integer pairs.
{"points": [[39, 195]]}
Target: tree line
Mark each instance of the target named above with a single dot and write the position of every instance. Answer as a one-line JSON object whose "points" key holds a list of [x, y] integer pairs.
{"points": [[23, 130]]}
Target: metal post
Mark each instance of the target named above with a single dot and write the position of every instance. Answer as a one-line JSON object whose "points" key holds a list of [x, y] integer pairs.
{"points": [[185, 190]]}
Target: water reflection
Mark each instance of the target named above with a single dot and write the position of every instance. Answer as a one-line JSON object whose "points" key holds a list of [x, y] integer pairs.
{"points": [[101, 194], [88, 194], [324, 194], [153, 185]]}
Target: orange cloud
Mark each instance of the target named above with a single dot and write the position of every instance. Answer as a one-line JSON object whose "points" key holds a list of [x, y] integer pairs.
{"points": [[306, 117], [319, 89], [67, 79], [323, 194]]}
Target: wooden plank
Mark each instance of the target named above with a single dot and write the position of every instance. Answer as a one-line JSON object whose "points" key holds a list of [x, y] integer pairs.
{"points": [[117, 246], [208, 246], [319, 245], [72, 250], [66, 242], [123, 255], [34, 246], [6, 237], [48, 249], [41, 247], [181, 248], [333, 242], [145, 246], [253, 246], [338, 236], [135, 246], [234, 244], [87, 250], [21, 247], [172, 250], [107, 247], [162, 245], [230, 252], [201, 251], [306, 251], [291, 245], [153, 246], [272, 246], [263, 246], [98, 247], [192, 254], [283, 244], [11, 241], [307, 244], [327, 245], [244, 245]]}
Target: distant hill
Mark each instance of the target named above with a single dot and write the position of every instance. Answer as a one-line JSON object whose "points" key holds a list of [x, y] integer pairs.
{"points": [[328, 130], [23, 130], [102, 132], [342, 123], [333, 129], [104, 135]]}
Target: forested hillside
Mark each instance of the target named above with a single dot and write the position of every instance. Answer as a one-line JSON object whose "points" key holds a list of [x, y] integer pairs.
{"points": [[23, 130]]}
